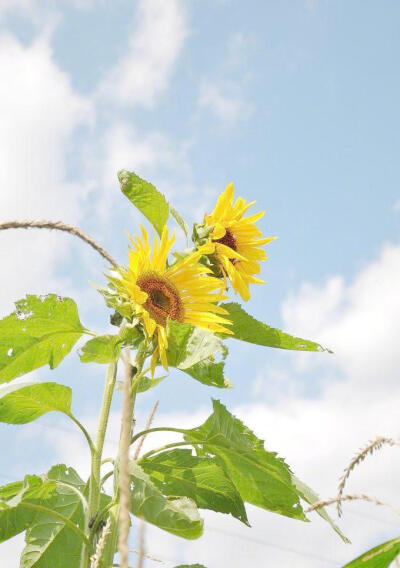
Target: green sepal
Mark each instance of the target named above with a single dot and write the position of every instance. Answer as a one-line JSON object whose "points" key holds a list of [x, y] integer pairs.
{"points": [[247, 328], [179, 473], [178, 516], [41, 331], [192, 350]]}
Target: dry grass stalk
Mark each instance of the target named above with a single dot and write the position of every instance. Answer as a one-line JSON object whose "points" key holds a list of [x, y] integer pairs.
{"points": [[148, 425], [370, 448], [96, 558], [59, 226], [359, 497], [124, 478]]}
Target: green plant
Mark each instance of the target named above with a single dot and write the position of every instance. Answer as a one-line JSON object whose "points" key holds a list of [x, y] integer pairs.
{"points": [[169, 312]]}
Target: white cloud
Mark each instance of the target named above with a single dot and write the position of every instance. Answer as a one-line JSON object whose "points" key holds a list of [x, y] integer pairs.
{"points": [[144, 71], [224, 102], [39, 112]]}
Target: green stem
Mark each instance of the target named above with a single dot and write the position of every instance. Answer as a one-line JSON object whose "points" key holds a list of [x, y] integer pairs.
{"points": [[58, 516], [95, 481], [166, 447], [159, 429], [85, 432]]}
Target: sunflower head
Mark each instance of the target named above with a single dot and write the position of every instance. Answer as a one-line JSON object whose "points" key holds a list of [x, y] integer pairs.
{"points": [[152, 291], [236, 242]]}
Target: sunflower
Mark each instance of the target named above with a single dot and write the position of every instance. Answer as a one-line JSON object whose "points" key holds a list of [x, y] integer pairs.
{"points": [[236, 241], [156, 292]]}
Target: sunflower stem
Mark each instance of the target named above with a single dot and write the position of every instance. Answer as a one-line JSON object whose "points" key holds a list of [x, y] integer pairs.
{"points": [[97, 450]]}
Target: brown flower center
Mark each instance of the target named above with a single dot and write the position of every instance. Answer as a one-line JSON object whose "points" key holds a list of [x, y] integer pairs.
{"points": [[163, 298], [228, 240]]}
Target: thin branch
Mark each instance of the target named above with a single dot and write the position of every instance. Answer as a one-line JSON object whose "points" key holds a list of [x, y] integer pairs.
{"points": [[59, 226], [370, 448], [148, 426], [361, 497]]}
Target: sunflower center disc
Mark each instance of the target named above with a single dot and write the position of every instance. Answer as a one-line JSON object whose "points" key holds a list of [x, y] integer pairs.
{"points": [[163, 298], [228, 240]]}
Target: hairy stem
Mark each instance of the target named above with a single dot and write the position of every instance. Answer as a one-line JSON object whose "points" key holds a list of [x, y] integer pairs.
{"points": [[95, 475], [84, 431]]}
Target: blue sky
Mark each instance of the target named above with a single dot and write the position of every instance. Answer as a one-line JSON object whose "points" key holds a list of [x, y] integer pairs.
{"points": [[297, 103]]}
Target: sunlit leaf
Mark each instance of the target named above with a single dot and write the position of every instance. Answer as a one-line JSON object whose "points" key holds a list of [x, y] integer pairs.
{"points": [[146, 198], [381, 556], [179, 473], [50, 542], [101, 349], [41, 331], [310, 497], [178, 516], [261, 478], [28, 402], [14, 516], [194, 350], [247, 328]]}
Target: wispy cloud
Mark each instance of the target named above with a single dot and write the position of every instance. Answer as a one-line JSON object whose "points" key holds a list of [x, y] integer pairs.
{"points": [[153, 49]]}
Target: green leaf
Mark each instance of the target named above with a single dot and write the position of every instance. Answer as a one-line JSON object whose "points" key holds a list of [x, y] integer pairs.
{"points": [[14, 517], [310, 497], [247, 328], [101, 349], [146, 198], [178, 516], [261, 478], [381, 556], [42, 330], [193, 351], [146, 383], [179, 473], [179, 219], [49, 541], [28, 402]]}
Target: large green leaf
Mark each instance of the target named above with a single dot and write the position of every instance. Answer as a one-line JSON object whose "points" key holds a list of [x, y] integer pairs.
{"points": [[28, 402], [146, 198], [15, 517], [381, 556], [261, 478], [49, 541], [101, 349], [310, 497], [179, 473], [178, 516], [193, 351], [42, 330], [247, 328]]}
